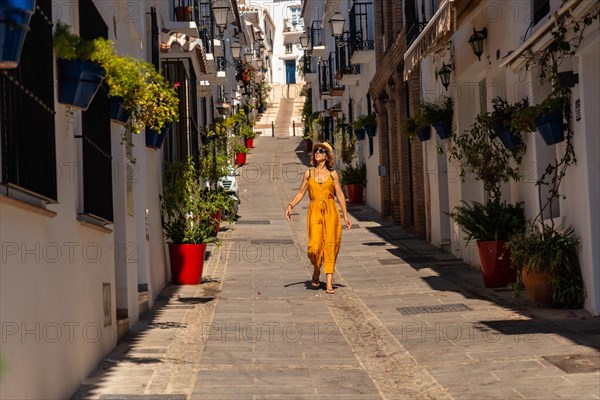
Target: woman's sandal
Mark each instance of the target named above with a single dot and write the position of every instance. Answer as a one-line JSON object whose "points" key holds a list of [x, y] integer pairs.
{"points": [[315, 282], [330, 291]]}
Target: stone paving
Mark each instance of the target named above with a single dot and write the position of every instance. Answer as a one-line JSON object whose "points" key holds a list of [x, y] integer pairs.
{"points": [[407, 321]]}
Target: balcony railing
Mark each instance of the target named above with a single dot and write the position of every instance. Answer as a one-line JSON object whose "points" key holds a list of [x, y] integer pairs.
{"points": [[343, 55], [413, 32], [361, 27], [184, 10], [325, 77], [308, 65], [316, 34], [204, 21], [221, 63]]}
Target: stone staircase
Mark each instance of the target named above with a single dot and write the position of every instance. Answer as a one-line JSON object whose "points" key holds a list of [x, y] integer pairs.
{"points": [[283, 117]]}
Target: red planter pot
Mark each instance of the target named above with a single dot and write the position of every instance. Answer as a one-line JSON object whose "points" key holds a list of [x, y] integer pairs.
{"points": [[249, 143], [308, 145], [240, 158], [187, 262], [495, 263], [355, 193]]}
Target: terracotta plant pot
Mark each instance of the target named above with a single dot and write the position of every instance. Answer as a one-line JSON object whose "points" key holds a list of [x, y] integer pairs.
{"points": [[183, 13], [539, 287], [495, 263], [187, 262], [355, 193]]}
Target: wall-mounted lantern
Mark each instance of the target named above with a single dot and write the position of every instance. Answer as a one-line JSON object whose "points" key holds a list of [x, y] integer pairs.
{"points": [[444, 74], [476, 41]]}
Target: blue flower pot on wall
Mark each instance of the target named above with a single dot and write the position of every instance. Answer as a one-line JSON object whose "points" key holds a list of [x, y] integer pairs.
{"points": [[443, 129], [424, 133], [551, 127], [78, 82], [154, 139], [359, 133], [507, 137], [14, 25], [117, 113], [371, 130]]}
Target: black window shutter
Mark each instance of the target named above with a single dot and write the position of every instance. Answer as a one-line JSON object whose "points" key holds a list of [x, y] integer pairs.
{"points": [[27, 131], [96, 143]]}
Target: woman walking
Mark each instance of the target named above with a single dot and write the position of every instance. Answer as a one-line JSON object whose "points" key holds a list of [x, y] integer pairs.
{"points": [[323, 218]]}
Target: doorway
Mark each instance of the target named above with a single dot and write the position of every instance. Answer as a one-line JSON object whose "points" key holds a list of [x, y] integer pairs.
{"points": [[290, 71]]}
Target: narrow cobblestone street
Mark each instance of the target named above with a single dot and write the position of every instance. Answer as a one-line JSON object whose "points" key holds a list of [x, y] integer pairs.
{"points": [[407, 321]]}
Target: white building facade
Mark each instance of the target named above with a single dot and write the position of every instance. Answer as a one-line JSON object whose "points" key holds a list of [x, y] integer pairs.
{"points": [[516, 31]]}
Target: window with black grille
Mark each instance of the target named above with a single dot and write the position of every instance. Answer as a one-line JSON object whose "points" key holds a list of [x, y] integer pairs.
{"points": [[182, 139], [28, 149], [96, 143]]}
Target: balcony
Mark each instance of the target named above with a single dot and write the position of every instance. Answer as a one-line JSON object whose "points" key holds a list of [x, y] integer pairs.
{"points": [[221, 68], [329, 84], [325, 77], [206, 28], [183, 17], [316, 40], [361, 33], [346, 72], [292, 30], [413, 32], [310, 67]]}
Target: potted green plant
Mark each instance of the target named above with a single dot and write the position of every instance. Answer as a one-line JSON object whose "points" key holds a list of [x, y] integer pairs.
{"points": [[347, 142], [79, 78], [354, 178], [307, 137], [188, 223], [240, 152], [126, 82], [492, 224], [416, 126], [547, 117], [159, 108], [548, 263], [368, 123], [502, 116], [439, 115], [247, 132], [220, 206]]}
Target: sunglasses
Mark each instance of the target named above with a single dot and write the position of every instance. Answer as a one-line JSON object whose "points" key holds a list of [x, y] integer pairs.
{"points": [[321, 150]]}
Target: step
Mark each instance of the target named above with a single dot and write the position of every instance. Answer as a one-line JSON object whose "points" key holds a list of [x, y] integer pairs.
{"points": [[143, 302], [122, 322]]}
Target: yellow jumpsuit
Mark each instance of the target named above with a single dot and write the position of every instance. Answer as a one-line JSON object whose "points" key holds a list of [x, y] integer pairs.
{"points": [[323, 224]]}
